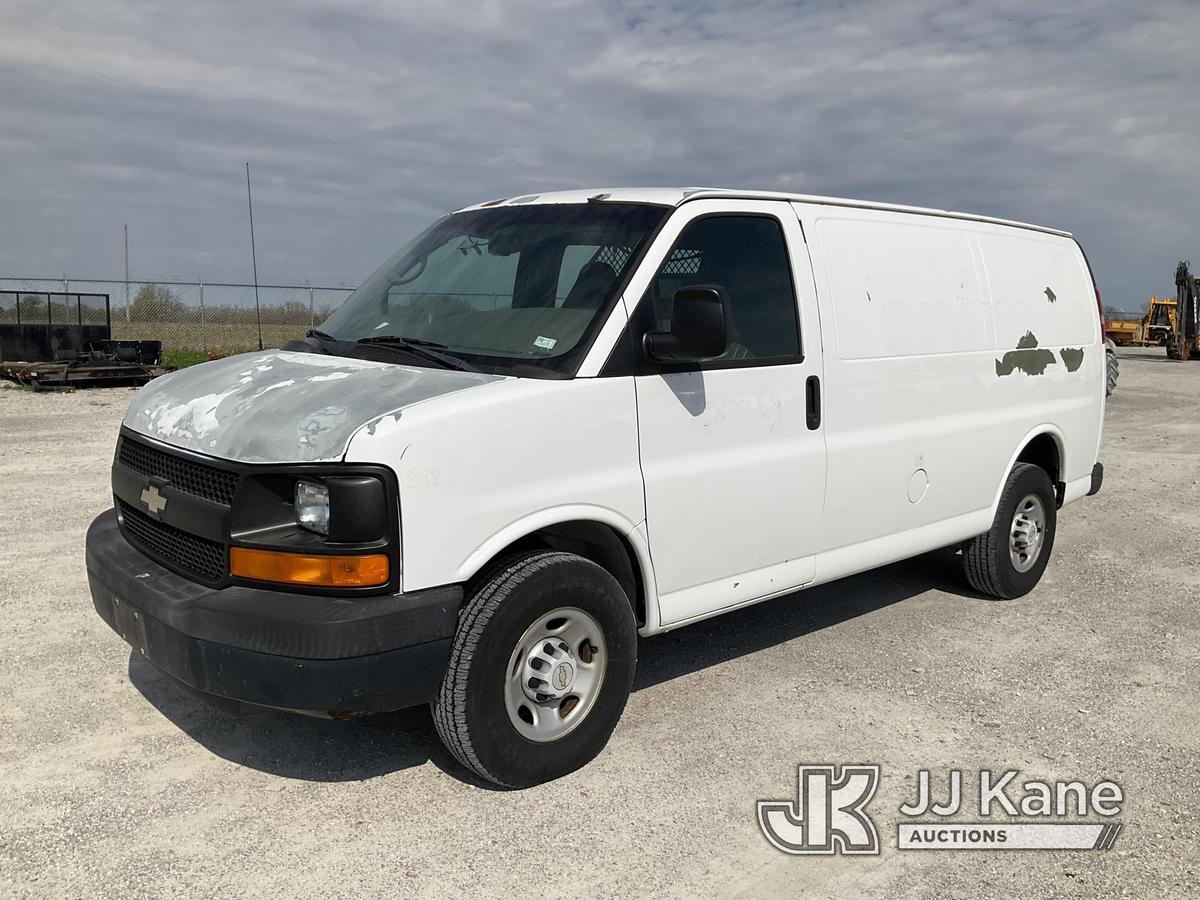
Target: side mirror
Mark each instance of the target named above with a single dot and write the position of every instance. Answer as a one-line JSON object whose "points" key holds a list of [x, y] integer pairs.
{"points": [[699, 326]]}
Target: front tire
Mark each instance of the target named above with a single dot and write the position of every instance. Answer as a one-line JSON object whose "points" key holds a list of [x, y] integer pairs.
{"points": [[1008, 560], [541, 668]]}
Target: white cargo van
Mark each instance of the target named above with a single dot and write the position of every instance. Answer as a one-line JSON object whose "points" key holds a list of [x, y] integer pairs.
{"points": [[555, 422]]}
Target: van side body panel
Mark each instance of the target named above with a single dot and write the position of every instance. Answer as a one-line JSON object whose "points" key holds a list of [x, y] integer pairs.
{"points": [[1042, 290], [945, 354]]}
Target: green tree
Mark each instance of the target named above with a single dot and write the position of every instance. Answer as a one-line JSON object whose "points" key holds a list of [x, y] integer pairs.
{"points": [[157, 303], [33, 309]]}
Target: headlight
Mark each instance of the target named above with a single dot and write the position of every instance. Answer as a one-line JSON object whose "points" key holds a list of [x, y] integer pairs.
{"points": [[312, 506]]}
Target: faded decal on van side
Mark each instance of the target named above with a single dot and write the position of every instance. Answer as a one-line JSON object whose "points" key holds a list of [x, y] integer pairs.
{"points": [[1050, 295], [1028, 357], [1072, 358]]}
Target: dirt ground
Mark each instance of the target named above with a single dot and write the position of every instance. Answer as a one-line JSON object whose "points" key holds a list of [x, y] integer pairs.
{"points": [[116, 783]]}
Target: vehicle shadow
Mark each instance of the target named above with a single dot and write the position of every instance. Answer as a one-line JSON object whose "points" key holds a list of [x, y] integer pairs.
{"points": [[311, 749], [1145, 357], [795, 615], [290, 745]]}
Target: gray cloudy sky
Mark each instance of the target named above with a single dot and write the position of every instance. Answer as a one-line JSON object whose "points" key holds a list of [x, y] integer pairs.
{"points": [[364, 120]]}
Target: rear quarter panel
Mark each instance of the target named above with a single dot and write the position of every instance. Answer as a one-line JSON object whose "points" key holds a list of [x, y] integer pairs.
{"points": [[1050, 358]]}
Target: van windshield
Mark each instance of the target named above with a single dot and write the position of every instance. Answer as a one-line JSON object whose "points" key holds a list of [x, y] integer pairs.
{"points": [[511, 290]]}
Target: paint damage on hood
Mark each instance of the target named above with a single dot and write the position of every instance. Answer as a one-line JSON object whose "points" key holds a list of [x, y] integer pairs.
{"points": [[282, 407]]}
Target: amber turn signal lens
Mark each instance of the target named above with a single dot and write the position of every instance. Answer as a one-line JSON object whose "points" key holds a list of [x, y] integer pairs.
{"points": [[370, 570]]}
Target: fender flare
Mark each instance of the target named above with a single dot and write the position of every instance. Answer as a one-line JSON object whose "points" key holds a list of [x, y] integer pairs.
{"points": [[1037, 431], [632, 532]]}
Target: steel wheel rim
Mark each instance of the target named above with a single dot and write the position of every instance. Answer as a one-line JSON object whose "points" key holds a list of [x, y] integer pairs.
{"points": [[1028, 533], [554, 674]]}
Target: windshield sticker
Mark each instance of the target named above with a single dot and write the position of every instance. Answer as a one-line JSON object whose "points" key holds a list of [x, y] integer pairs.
{"points": [[545, 343], [381, 325]]}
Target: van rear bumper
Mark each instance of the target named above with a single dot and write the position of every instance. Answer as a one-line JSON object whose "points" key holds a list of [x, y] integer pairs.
{"points": [[337, 656]]}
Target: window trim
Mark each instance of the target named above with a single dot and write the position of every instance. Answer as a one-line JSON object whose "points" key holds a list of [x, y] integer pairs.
{"points": [[631, 359]]}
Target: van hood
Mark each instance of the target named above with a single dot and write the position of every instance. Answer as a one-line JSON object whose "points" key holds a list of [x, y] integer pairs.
{"points": [[282, 407]]}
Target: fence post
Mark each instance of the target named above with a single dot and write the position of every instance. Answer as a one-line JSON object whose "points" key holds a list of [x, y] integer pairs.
{"points": [[312, 321], [126, 277], [203, 325]]}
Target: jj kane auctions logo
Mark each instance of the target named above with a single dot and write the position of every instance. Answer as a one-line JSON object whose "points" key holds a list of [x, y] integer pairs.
{"points": [[829, 814]]}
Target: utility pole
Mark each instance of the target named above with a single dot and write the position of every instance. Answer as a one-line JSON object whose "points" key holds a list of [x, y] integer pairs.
{"points": [[126, 273], [254, 260]]}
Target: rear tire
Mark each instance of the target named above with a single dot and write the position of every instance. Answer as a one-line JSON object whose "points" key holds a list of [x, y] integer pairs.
{"points": [[508, 635], [1113, 369], [1007, 561]]}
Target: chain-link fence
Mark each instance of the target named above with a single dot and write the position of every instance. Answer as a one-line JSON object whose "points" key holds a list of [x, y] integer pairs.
{"points": [[192, 319]]}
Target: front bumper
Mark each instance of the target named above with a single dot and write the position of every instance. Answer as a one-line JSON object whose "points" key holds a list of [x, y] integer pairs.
{"points": [[340, 656]]}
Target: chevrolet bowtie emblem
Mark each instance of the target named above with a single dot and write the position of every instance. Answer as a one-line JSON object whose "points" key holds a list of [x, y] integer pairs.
{"points": [[155, 502]]}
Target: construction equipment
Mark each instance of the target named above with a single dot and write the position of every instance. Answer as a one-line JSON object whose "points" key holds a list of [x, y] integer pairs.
{"points": [[1183, 342], [1149, 330], [1112, 369], [1168, 322]]}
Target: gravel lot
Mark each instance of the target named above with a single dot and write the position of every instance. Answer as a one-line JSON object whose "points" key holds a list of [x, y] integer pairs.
{"points": [[116, 783]]}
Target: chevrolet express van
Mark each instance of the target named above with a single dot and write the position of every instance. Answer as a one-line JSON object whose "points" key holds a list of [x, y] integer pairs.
{"points": [[555, 422]]}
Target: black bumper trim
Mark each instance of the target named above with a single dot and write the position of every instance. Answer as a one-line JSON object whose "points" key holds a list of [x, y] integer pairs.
{"points": [[1097, 479], [294, 651]]}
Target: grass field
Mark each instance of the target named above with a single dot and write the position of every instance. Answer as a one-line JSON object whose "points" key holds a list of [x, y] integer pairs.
{"points": [[181, 359], [185, 343]]}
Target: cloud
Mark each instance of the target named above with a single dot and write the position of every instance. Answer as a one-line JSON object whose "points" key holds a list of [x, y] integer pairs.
{"points": [[364, 120]]}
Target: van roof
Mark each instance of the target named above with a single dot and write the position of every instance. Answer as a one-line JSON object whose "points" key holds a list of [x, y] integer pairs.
{"points": [[674, 196]]}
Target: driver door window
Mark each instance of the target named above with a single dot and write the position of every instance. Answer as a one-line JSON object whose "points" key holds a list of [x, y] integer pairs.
{"points": [[748, 257]]}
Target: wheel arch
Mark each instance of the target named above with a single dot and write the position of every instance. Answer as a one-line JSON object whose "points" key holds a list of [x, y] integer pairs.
{"points": [[1044, 447], [595, 533]]}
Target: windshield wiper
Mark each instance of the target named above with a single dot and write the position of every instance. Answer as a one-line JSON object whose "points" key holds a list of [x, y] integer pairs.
{"points": [[397, 339], [314, 342], [429, 349]]}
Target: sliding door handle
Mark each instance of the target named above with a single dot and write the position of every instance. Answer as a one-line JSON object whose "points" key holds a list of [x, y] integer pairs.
{"points": [[812, 402]]}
